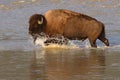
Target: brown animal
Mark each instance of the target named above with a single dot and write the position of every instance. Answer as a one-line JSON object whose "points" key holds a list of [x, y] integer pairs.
{"points": [[69, 24]]}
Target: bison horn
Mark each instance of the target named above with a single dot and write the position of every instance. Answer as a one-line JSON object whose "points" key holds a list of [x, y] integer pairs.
{"points": [[40, 21]]}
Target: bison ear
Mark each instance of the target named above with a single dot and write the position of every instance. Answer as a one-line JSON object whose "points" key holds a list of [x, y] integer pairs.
{"points": [[40, 21]]}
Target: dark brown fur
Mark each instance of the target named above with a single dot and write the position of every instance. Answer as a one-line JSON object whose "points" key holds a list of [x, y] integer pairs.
{"points": [[71, 25]]}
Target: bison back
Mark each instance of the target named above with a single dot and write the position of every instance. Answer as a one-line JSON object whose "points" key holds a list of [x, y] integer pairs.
{"points": [[71, 24]]}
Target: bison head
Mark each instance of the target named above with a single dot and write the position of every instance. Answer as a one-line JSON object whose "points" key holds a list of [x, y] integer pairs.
{"points": [[37, 23]]}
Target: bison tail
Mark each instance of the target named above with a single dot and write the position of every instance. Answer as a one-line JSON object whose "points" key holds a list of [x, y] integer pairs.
{"points": [[102, 34]]}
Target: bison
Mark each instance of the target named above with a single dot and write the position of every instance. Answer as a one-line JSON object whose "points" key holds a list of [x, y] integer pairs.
{"points": [[71, 25]]}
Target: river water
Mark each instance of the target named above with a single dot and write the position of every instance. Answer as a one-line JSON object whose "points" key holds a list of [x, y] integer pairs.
{"points": [[20, 59]]}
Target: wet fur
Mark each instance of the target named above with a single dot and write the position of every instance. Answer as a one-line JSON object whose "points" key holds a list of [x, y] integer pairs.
{"points": [[69, 24]]}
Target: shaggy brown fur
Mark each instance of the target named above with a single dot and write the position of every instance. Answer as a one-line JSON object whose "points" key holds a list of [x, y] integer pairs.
{"points": [[69, 24]]}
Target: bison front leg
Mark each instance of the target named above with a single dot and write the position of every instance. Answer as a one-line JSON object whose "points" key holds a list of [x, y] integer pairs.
{"points": [[34, 38]]}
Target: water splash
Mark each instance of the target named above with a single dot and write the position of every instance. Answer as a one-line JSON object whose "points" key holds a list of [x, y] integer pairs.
{"points": [[55, 42], [59, 41]]}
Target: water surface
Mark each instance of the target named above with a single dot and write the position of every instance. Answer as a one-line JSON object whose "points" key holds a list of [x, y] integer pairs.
{"points": [[20, 59]]}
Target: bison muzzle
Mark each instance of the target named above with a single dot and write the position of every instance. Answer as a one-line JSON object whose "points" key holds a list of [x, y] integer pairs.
{"points": [[71, 25]]}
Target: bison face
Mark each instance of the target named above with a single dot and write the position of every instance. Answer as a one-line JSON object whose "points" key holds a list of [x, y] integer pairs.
{"points": [[37, 25]]}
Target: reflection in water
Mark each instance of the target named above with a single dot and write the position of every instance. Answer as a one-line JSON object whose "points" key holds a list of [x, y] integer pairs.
{"points": [[52, 64], [60, 64], [38, 67]]}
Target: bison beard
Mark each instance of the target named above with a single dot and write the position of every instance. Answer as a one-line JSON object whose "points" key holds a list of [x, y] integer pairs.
{"points": [[71, 25]]}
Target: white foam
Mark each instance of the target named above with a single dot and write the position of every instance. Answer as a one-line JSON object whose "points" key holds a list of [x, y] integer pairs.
{"points": [[40, 42], [72, 44]]}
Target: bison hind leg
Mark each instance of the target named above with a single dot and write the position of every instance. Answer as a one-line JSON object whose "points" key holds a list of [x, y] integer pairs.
{"points": [[93, 42]]}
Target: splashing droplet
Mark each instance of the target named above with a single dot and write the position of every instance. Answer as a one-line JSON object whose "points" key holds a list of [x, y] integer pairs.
{"points": [[54, 42]]}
